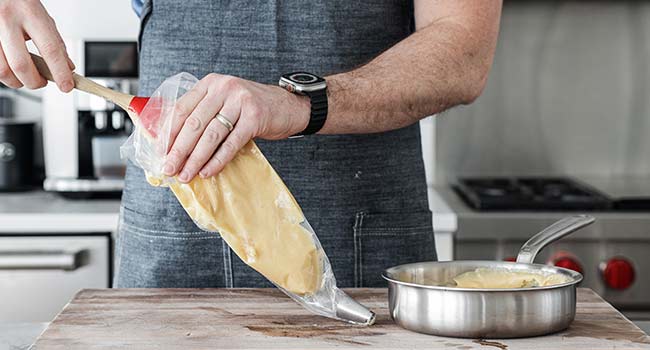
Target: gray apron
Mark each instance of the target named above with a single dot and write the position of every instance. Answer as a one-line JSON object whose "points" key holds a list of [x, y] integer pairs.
{"points": [[365, 195]]}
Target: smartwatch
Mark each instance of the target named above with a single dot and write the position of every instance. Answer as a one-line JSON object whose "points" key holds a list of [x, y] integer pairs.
{"points": [[314, 87]]}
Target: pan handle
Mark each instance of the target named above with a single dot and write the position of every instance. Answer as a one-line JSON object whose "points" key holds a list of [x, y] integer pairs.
{"points": [[551, 234]]}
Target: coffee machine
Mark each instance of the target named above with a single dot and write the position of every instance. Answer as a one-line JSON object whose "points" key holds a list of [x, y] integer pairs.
{"points": [[82, 133]]}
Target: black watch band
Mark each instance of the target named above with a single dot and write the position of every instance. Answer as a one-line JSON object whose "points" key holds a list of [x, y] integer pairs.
{"points": [[314, 87], [318, 114]]}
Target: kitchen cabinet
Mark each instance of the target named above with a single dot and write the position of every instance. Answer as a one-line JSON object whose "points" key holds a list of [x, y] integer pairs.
{"points": [[39, 274], [267, 319], [50, 248]]}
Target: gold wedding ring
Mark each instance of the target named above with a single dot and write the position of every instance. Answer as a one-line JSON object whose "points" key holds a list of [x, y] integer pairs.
{"points": [[224, 121]]}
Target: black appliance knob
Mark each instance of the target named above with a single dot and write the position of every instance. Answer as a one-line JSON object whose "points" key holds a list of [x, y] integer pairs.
{"points": [[7, 152]]}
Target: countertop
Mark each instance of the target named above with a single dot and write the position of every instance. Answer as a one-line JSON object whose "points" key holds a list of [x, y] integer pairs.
{"points": [[19, 336], [265, 318], [43, 212]]}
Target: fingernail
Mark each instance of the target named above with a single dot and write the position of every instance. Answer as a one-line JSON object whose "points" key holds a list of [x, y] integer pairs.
{"points": [[203, 174], [168, 169], [67, 85], [184, 176]]}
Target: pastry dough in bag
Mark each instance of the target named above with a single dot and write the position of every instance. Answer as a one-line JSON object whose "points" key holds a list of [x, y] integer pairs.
{"points": [[249, 205]]}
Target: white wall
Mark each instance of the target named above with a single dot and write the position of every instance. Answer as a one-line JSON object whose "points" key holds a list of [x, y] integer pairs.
{"points": [[96, 19], [567, 96]]}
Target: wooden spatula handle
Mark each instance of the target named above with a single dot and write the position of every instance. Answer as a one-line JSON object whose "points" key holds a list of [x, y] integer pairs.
{"points": [[42, 67], [84, 84]]}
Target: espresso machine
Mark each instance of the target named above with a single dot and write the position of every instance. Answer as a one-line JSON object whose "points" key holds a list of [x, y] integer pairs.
{"points": [[82, 134]]}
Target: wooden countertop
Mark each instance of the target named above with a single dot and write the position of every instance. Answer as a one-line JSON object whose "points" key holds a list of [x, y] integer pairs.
{"points": [[266, 319]]}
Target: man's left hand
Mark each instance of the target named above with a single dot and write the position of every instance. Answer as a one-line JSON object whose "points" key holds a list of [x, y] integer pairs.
{"points": [[201, 144]]}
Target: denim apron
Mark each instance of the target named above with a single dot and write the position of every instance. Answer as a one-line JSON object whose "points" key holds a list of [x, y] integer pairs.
{"points": [[365, 195]]}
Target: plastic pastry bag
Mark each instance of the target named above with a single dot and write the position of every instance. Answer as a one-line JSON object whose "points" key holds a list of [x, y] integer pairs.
{"points": [[249, 205]]}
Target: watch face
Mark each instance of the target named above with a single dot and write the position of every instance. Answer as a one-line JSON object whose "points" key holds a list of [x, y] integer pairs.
{"points": [[302, 82], [303, 78]]}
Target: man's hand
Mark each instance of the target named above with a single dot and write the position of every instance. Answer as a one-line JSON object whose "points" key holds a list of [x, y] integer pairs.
{"points": [[22, 20], [201, 144]]}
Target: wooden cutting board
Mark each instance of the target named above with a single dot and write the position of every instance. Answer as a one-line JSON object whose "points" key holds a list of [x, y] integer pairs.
{"points": [[190, 319]]}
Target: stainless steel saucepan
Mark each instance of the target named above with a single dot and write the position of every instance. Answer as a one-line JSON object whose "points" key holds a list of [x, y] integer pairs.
{"points": [[421, 300]]}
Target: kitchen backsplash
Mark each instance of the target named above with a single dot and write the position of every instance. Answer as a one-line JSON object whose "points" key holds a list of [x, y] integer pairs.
{"points": [[568, 94]]}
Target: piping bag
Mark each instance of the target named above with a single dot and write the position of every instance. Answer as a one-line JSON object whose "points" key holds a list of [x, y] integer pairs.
{"points": [[247, 203]]}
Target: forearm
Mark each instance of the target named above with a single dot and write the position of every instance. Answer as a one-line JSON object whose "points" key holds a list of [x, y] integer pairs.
{"points": [[439, 66]]}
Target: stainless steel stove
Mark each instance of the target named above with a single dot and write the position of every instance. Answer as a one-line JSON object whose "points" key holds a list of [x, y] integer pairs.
{"points": [[613, 254]]}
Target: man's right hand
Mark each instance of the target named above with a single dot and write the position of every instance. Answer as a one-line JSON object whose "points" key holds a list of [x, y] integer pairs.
{"points": [[22, 20]]}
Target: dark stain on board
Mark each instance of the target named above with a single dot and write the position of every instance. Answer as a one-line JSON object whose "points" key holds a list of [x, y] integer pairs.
{"points": [[495, 344], [338, 333]]}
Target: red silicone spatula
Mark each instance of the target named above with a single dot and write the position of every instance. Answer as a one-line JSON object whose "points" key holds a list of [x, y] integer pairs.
{"points": [[134, 105]]}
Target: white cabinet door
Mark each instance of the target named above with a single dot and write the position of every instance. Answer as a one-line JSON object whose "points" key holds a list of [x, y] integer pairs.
{"points": [[40, 274]]}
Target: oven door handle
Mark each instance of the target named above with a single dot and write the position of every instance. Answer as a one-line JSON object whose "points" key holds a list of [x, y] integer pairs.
{"points": [[42, 260]]}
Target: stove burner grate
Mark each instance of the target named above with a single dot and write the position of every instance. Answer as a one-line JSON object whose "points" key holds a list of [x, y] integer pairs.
{"points": [[530, 193]]}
